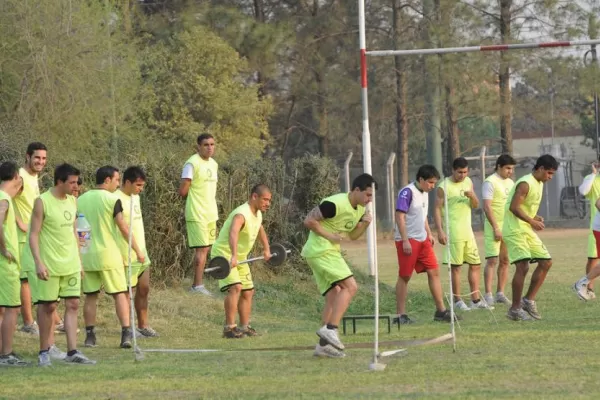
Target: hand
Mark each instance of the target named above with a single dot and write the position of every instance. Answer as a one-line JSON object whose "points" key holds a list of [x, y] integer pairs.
{"points": [[82, 273], [233, 261], [8, 255], [22, 226], [497, 234], [367, 218], [335, 238], [267, 254], [42, 272], [594, 168], [406, 247], [537, 224], [538, 218], [442, 238], [140, 256], [431, 239], [469, 194]]}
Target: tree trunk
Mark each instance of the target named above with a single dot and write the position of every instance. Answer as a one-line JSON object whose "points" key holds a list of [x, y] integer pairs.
{"points": [[322, 114], [401, 120], [452, 125], [504, 79], [259, 15]]}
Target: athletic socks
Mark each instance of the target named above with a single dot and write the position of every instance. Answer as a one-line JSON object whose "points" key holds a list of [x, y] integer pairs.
{"points": [[476, 301], [330, 326], [71, 353], [89, 329]]}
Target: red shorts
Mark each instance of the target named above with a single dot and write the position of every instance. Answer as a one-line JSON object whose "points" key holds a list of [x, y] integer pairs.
{"points": [[420, 259]]}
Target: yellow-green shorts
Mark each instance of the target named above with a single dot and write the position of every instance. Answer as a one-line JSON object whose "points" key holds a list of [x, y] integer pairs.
{"points": [[491, 245], [526, 246], [10, 286], [201, 234], [136, 272], [23, 276], [32, 279], [114, 281], [464, 252], [56, 288], [592, 252], [239, 275], [329, 269]]}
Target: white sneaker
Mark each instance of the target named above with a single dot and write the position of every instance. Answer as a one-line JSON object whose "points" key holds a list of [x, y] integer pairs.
{"points": [[32, 329], [201, 289], [328, 351], [56, 354], [460, 305], [331, 336], [79, 358], [591, 294], [480, 305], [501, 298], [44, 359], [489, 299], [580, 287]]}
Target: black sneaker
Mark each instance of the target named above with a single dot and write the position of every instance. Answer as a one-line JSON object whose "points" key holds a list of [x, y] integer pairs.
{"points": [[126, 338], [403, 320], [444, 316], [232, 333], [90, 338]]}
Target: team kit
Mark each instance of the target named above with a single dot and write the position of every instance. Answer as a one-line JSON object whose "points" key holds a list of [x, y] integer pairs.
{"points": [[64, 242]]}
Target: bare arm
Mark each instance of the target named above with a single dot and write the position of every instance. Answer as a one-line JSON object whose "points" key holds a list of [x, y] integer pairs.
{"points": [[184, 187], [37, 218], [517, 200], [489, 214], [437, 212], [264, 240], [3, 212], [473, 199], [20, 224], [360, 228], [234, 233], [124, 229], [428, 230], [401, 222], [313, 222]]}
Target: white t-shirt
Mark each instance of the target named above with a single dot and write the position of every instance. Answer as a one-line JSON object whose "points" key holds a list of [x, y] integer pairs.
{"points": [[414, 203], [188, 172], [487, 190], [596, 221]]}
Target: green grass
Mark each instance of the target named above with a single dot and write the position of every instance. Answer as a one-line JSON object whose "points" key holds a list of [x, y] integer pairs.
{"points": [[553, 358]]}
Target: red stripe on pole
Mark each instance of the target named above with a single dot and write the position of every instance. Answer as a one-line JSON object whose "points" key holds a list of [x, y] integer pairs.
{"points": [[363, 68], [555, 44], [496, 47]]}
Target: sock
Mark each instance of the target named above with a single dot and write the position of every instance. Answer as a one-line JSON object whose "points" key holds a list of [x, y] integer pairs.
{"points": [[476, 301], [42, 352], [198, 286], [323, 342], [329, 326], [125, 329], [89, 329], [71, 353]]}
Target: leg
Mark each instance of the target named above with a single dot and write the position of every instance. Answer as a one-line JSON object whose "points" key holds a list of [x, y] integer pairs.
{"points": [[521, 270], [45, 314], [456, 282], [26, 306], [592, 265], [141, 299], [502, 269], [89, 309], [245, 307], [488, 273], [122, 309], [474, 276], [435, 287], [71, 309], [231, 302], [7, 329], [401, 294], [538, 278], [329, 300], [348, 289], [200, 256]]}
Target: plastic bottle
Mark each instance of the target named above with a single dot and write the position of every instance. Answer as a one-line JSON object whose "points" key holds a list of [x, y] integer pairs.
{"points": [[84, 232]]}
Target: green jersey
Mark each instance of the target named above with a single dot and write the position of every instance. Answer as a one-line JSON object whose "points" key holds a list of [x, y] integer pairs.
{"points": [[24, 201], [531, 204], [593, 195], [501, 189], [246, 237], [459, 209], [11, 239], [137, 227], [345, 220], [201, 201]]}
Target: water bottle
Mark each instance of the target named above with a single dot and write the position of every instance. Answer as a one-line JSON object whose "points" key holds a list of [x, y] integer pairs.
{"points": [[84, 232]]}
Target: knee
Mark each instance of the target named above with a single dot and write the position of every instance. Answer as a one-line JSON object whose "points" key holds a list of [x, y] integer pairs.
{"points": [[352, 287], [50, 308], [546, 264], [72, 305], [475, 268], [433, 273], [492, 262], [142, 290], [404, 279], [234, 290]]}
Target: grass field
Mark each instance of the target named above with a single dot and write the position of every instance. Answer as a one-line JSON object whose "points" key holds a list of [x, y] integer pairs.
{"points": [[557, 357]]}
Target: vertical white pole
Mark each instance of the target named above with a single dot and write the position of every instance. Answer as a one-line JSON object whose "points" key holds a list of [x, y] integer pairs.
{"points": [[390, 188], [366, 135], [447, 223], [347, 171]]}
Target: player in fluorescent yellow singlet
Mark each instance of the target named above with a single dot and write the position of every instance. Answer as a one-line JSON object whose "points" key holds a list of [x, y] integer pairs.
{"points": [[463, 247], [338, 215], [495, 190], [590, 188], [55, 249], [134, 180], [10, 290], [523, 244], [35, 161], [103, 263], [199, 187], [236, 239]]}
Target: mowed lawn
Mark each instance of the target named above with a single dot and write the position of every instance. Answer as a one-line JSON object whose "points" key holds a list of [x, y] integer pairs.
{"points": [[557, 357]]}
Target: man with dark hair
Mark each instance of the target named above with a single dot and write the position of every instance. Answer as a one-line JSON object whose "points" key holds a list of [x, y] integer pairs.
{"points": [[495, 191], [414, 243], [199, 187], [35, 161], [10, 298], [102, 259], [55, 251], [523, 244], [463, 247], [134, 180], [236, 240], [342, 213]]}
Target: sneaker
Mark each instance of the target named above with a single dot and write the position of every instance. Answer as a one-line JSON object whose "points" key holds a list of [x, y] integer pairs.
{"points": [[501, 298], [13, 360], [489, 299], [146, 333], [232, 332], [460, 305], [126, 338], [531, 308], [582, 290], [44, 359], [328, 351], [31, 329], [402, 320], [90, 338], [331, 337], [249, 331], [79, 358], [444, 316], [56, 354], [591, 294], [480, 305], [518, 315], [201, 289], [60, 328]]}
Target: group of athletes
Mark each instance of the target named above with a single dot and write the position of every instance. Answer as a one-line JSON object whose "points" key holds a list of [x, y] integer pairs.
{"points": [[43, 258]]}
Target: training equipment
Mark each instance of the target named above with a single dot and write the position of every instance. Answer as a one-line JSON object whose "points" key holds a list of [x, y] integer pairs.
{"points": [[353, 318], [451, 301], [137, 352], [219, 267]]}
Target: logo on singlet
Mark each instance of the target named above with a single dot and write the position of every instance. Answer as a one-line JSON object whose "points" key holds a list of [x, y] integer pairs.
{"points": [[349, 224], [67, 215]]}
